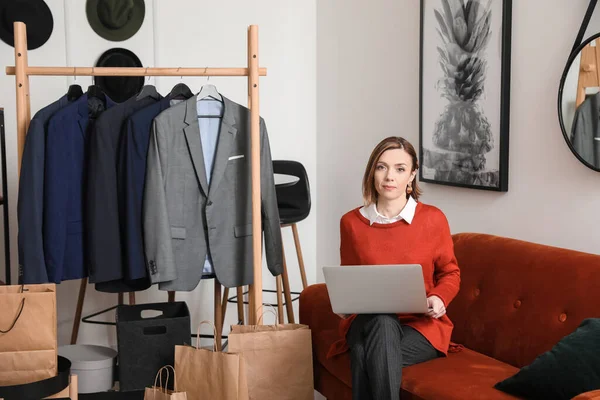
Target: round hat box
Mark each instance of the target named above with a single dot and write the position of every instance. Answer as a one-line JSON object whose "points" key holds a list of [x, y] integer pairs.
{"points": [[93, 365]]}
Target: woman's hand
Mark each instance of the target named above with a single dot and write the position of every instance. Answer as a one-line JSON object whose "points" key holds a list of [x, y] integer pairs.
{"points": [[436, 307]]}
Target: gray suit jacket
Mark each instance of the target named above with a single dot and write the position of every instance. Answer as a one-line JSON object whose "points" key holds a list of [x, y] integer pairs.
{"points": [[585, 132], [184, 217]]}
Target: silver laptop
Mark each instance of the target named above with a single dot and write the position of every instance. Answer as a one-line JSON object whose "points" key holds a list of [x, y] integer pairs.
{"points": [[376, 289]]}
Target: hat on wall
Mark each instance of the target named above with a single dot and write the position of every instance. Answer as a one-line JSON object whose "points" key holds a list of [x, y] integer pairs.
{"points": [[115, 20], [34, 13], [119, 88]]}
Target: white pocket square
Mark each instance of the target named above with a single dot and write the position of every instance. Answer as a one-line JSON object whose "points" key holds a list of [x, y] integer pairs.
{"points": [[236, 157]]}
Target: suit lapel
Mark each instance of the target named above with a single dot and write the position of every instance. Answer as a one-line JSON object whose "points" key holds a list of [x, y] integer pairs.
{"points": [[192, 136], [227, 133], [83, 112]]}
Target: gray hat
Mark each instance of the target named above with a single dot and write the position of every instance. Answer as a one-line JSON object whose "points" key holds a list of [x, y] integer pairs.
{"points": [[115, 20]]}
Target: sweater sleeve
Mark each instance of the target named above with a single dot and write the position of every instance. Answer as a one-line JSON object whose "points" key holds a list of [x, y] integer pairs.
{"points": [[347, 252], [447, 273]]}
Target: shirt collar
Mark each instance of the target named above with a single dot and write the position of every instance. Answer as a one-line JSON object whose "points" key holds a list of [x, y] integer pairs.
{"points": [[407, 213]]}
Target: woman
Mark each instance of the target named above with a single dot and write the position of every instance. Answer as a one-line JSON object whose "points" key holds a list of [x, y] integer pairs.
{"points": [[394, 228]]}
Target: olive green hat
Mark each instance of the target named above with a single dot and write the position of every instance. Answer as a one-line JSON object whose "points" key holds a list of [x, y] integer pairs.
{"points": [[115, 20]]}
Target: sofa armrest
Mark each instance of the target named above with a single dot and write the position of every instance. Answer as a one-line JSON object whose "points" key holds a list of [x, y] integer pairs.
{"points": [[315, 309], [594, 394]]}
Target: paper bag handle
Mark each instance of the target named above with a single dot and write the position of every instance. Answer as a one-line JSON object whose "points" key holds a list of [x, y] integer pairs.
{"points": [[159, 378], [214, 330], [18, 314], [271, 310]]}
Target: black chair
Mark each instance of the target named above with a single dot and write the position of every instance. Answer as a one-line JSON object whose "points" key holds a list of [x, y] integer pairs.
{"points": [[293, 203]]}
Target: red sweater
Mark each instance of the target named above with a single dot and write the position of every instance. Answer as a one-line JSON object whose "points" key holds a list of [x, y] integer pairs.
{"points": [[425, 241]]}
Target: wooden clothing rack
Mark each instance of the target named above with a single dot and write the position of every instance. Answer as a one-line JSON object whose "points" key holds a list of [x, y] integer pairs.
{"points": [[589, 71], [23, 71]]}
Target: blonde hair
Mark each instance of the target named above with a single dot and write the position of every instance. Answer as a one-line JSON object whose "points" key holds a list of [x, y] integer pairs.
{"points": [[389, 143]]}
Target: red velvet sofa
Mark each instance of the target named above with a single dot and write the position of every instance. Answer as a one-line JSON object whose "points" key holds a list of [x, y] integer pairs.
{"points": [[517, 300]]}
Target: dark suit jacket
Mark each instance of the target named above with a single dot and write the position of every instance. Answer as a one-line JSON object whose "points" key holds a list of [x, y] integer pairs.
{"points": [[30, 203], [103, 239], [132, 173], [66, 152]]}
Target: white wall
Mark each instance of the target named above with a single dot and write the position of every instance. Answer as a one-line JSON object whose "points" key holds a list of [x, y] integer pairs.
{"points": [[189, 33], [368, 88]]}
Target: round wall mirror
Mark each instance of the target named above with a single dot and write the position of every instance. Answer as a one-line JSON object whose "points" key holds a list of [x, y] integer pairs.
{"points": [[579, 102]]}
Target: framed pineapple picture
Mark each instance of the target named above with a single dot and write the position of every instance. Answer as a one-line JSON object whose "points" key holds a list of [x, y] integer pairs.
{"points": [[465, 93]]}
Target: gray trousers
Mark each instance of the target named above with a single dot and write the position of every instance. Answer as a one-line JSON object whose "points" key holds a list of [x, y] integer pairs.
{"points": [[379, 348]]}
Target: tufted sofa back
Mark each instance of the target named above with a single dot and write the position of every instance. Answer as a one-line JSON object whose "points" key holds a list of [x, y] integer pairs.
{"points": [[518, 299]]}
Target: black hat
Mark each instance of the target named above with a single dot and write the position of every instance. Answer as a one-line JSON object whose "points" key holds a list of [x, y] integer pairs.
{"points": [[115, 20], [34, 13], [119, 88]]}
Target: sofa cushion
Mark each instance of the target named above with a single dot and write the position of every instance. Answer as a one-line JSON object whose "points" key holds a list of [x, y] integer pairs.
{"points": [[570, 368], [463, 375]]}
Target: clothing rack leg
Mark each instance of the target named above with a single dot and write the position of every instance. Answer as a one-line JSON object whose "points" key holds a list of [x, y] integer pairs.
{"points": [[171, 296], [120, 299], [256, 287], [73, 388], [78, 310], [218, 322], [131, 298]]}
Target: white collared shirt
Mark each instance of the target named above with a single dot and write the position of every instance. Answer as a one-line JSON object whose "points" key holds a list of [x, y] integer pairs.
{"points": [[408, 212]]}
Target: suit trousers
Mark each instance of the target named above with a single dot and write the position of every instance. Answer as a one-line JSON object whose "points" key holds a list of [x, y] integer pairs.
{"points": [[379, 348]]}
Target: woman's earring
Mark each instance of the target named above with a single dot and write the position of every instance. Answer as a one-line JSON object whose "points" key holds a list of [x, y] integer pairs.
{"points": [[409, 188]]}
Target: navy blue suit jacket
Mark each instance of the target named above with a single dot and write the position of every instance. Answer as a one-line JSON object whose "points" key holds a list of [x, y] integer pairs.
{"points": [[65, 183], [30, 203], [132, 165]]}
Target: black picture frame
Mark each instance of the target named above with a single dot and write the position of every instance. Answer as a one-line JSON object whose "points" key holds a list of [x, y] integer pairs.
{"points": [[459, 146]]}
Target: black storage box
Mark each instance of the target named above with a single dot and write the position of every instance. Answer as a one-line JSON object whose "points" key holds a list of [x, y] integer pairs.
{"points": [[147, 344]]}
